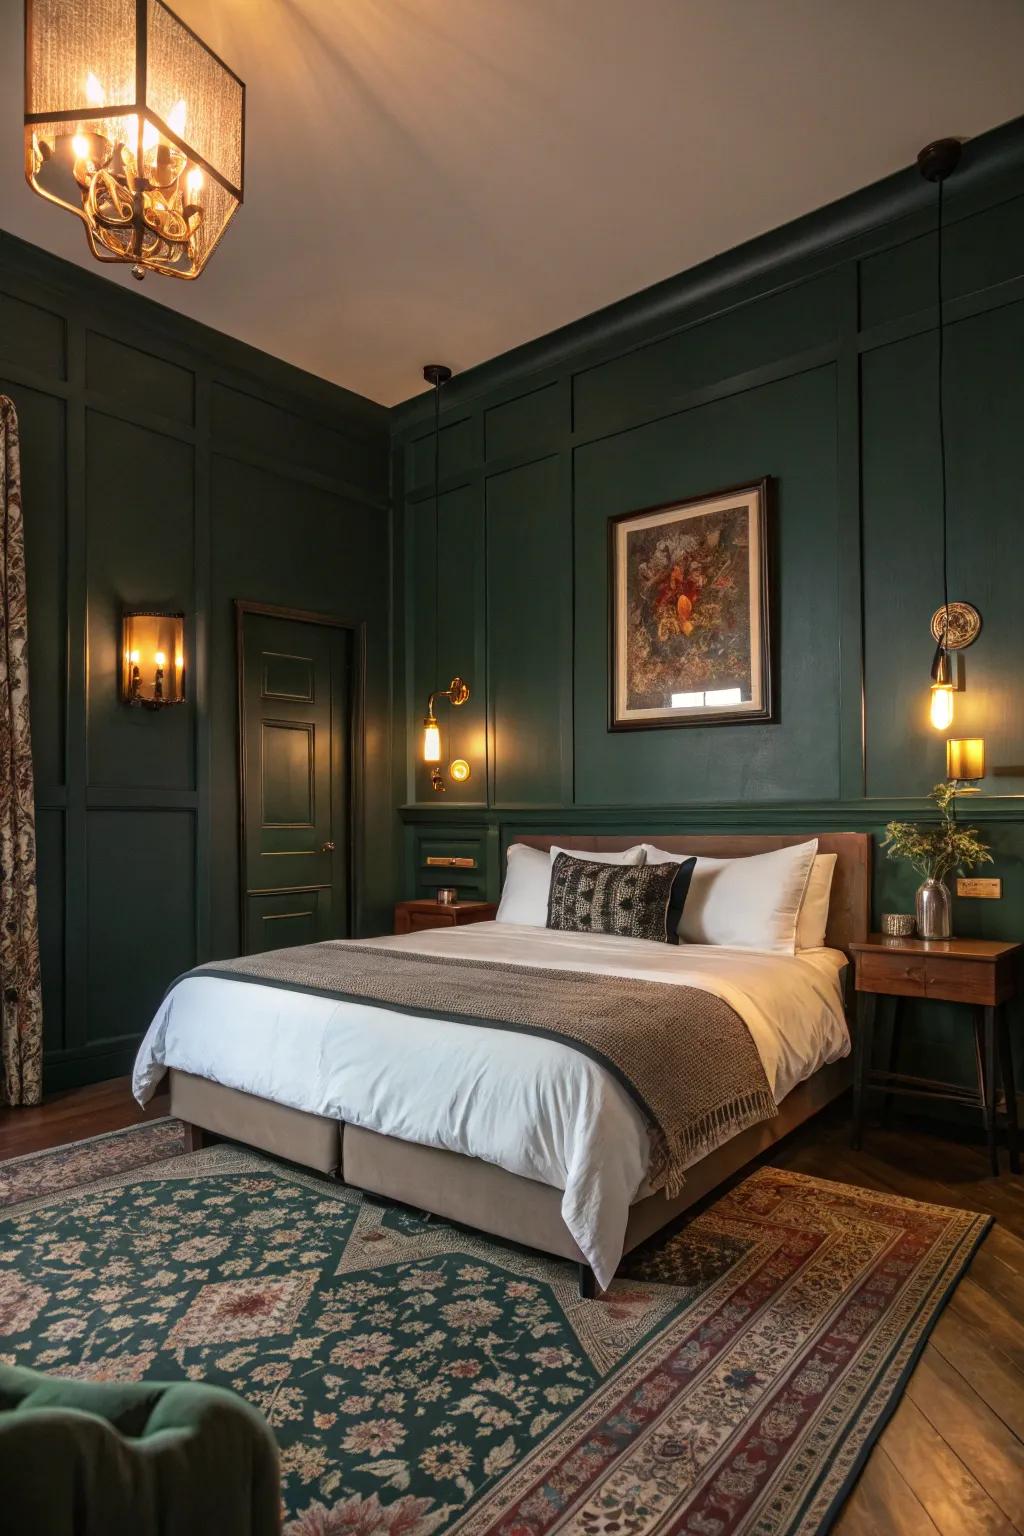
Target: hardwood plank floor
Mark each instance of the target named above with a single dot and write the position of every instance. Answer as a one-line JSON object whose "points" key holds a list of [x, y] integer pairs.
{"points": [[951, 1460], [74, 1114]]}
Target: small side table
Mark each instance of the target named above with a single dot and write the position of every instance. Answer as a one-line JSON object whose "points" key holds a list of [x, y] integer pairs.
{"points": [[413, 916], [980, 972]]}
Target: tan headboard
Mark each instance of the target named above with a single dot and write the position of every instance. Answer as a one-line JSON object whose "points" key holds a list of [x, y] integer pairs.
{"points": [[849, 913]]}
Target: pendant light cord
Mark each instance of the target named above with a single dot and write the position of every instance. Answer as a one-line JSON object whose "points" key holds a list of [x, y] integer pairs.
{"points": [[942, 427], [437, 522]]}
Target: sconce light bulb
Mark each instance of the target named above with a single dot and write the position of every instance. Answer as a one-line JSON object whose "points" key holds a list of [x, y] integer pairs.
{"points": [[133, 657], [194, 182], [431, 741], [80, 145], [942, 706], [160, 658]]}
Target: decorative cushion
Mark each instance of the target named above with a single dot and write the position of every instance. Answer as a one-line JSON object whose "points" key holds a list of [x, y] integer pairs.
{"points": [[813, 919], [745, 903], [524, 898], [631, 901]]}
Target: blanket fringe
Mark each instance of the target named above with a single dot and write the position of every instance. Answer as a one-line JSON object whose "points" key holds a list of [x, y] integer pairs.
{"points": [[671, 1156]]}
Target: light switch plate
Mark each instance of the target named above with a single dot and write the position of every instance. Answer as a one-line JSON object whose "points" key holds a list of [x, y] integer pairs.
{"points": [[988, 890]]}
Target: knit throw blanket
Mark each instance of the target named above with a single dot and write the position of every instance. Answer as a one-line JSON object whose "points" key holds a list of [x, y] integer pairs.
{"points": [[685, 1057]]}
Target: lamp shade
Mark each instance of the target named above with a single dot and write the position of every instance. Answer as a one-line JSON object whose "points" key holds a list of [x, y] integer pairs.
{"points": [[965, 758], [153, 658], [136, 126]]}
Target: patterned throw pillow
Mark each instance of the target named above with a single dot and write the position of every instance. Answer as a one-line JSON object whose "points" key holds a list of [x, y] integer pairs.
{"points": [[634, 901]]}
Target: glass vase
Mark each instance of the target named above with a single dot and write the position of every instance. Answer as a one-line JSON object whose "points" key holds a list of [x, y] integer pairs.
{"points": [[933, 910]]}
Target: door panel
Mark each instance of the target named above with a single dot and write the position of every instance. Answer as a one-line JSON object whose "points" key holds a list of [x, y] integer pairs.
{"points": [[295, 737]]}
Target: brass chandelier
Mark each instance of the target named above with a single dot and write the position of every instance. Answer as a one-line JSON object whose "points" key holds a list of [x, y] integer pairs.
{"points": [[136, 126]]}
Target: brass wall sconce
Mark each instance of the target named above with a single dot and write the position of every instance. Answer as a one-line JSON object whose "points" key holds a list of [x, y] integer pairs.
{"points": [[152, 659], [954, 628], [965, 763], [456, 693]]}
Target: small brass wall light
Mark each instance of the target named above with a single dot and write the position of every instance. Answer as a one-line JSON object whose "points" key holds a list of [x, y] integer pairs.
{"points": [[965, 762], [152, 659], [456, 693]]}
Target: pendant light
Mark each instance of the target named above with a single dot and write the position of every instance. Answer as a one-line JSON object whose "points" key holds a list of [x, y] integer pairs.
{"points": [[136, 126], [457, 691], [936, 162]]}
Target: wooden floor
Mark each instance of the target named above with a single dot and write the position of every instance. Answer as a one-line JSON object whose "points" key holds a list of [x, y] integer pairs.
{"points": [[951, 1459]]}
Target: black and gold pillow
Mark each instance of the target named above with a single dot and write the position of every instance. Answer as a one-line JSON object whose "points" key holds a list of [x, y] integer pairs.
{"points": [[634, 901]]}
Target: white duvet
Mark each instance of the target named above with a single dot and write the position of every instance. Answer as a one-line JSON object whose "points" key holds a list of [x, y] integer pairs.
{"points": [[530, 1105]]}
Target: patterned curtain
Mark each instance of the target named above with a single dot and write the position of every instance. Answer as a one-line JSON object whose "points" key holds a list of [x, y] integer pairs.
{"points": [[21, 1007]]}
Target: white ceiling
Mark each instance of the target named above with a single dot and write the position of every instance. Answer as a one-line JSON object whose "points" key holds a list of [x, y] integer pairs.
{"points": [[440, 180]]}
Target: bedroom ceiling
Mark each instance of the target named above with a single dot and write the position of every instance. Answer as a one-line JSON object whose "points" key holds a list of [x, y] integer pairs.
{"points": [[445, 179]]}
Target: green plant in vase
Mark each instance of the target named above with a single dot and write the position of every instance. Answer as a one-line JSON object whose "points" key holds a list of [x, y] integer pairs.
{"points": [[935, 852]]}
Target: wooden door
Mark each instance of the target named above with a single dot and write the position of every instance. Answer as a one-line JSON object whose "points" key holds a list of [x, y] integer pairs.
{"points": [[295, 727]]}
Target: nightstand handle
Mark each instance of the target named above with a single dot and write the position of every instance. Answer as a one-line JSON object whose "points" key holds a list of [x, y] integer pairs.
{"points": [[447, 861]]}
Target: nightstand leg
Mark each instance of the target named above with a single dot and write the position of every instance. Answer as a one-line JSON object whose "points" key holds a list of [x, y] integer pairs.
{"points": [[862, 1062], [1009, 1086], [985, 1031], [895, 1024]]}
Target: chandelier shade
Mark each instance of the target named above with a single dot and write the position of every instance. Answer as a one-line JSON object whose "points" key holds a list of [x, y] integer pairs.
{"points": [[136, 126]]}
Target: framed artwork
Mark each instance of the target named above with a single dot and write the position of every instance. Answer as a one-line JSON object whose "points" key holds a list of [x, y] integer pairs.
{"points": [[690, 631]]}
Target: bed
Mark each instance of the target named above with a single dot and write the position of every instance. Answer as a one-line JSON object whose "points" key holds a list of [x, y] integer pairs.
{"points": [[523, 1138]]}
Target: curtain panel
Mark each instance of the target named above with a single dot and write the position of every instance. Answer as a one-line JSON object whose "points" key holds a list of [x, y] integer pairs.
{"points": [[21, 1009]]}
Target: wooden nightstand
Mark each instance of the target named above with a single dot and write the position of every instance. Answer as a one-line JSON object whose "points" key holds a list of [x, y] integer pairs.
{"points": [[980, 972], [412, 916]]}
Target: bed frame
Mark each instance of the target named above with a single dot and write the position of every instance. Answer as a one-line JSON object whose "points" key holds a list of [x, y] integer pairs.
{"points": [[506, 1205]]}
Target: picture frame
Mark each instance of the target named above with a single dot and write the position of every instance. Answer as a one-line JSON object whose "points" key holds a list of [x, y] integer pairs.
{"points": [[690, 612]]}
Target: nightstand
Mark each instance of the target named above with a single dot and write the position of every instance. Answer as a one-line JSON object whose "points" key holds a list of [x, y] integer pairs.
{"points": [[980, 972], [413, 916]]}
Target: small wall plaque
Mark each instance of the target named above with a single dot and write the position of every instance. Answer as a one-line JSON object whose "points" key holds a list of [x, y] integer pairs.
{"points": [[987, 890]]}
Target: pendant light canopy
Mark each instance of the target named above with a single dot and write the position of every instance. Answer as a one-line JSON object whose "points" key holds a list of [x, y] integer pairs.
{"points": [[136, 126], [936, 162]]}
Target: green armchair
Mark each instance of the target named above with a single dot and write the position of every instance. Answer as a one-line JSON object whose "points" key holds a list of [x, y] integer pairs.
{"points": [[82, 1458]]}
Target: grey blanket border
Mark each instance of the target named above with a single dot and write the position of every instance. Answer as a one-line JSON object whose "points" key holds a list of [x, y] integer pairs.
{"points": [[411, 1011]]}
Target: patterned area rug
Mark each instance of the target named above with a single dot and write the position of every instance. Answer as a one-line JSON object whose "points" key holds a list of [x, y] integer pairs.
{"points": [[80, 1162], [421, 1379]]}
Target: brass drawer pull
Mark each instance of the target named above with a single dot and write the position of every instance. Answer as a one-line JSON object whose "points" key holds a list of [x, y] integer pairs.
{"points": [[448, 861]]}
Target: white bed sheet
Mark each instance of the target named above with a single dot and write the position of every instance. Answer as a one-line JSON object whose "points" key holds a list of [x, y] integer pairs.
{"points": [[530, 1105]]}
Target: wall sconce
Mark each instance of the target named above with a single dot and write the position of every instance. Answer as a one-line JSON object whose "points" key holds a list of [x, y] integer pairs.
{"points": [[965, 763], [153, 659], [456, 693], [136, 126]]}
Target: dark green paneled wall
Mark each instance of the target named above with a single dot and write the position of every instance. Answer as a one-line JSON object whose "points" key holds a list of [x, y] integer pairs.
{"points": [[165, 464], [809, 356]]}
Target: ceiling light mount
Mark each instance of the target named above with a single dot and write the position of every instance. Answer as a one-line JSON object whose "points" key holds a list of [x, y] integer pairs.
{"points": [[436, 374], [939, 159]]}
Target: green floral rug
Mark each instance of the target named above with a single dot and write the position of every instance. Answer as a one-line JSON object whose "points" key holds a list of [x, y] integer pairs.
{"points": [[421, 1378]]}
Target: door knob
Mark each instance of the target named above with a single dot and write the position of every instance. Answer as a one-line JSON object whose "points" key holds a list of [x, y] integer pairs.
{"points": [[327, 848]]}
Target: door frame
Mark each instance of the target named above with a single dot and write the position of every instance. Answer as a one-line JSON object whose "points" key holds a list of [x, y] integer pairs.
{"points": [[356, 748]]}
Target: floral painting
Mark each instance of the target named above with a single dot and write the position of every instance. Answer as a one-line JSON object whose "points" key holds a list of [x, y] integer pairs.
{"points": [[690, 612]]}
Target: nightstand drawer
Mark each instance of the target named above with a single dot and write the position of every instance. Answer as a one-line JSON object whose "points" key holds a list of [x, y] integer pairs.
{"points": [[963, 981], [893, 975], [420, 920]]}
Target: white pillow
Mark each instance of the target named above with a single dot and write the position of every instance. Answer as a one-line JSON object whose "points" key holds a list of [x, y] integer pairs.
{"points": [[746, 903], [813, 919], [524, 898]]}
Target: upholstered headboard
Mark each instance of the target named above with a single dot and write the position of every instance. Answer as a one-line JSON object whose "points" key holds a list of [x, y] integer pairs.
{"points": [[849, 913]]}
